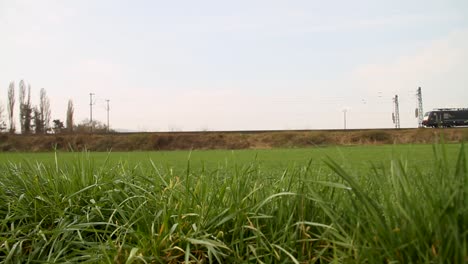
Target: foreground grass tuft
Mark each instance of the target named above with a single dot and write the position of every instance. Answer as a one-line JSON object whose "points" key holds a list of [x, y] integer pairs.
{"points": [[111, 213]]}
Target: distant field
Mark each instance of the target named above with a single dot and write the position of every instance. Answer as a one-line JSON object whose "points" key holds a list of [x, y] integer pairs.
{"points": [[271, 159], [355, 204]]}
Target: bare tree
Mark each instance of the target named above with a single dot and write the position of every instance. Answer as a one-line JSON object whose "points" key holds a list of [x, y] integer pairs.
{"points": [[97, 127], [11, 106], [22, 102], [2, 122], [38, 124], [27, 111], [70, 111], [58, 126], [44, 108]]}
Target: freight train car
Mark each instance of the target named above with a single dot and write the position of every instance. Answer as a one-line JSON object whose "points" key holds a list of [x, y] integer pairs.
{"points": [[446, 117]]}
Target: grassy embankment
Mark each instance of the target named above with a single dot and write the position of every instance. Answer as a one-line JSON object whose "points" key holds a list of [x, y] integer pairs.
{"points": [[224, 140], [410, 205]]}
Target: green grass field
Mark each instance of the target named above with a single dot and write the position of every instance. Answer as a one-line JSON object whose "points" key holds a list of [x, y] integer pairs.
{"points": [[374, 204], [272, 159]]}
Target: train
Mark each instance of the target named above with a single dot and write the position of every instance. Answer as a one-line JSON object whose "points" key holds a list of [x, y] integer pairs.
{"points": [[446, 117]]}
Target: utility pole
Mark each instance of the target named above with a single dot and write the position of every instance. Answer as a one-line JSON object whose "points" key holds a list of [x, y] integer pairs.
{"points": [[420, 108], [344, 113], [91, 112], [107, 108], [396, 112]]}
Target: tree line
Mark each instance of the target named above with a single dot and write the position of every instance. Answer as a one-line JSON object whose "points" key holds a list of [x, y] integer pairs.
{"points": [[36, 119]]}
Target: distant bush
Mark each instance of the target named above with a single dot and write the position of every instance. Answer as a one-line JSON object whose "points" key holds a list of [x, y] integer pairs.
{"points": [[215, 140], [465, 136], [162, 141], [318, 139], [103, 144], [376, 136]]}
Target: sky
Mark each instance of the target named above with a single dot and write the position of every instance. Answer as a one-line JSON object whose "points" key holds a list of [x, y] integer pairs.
{"points": [[237, 65]]}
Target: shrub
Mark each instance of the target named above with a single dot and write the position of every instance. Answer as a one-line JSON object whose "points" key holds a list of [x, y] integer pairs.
{"points": [[377, 136]]}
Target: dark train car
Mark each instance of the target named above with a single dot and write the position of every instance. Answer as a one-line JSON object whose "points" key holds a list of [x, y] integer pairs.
{"points": [[446, 117]]}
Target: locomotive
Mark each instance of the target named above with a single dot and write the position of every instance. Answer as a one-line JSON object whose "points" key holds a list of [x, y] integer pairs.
{"points": [[446, 117]]}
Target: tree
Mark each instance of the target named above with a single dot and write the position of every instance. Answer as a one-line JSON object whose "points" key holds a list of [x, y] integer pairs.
{"points": [[58, 126], [22, 102], [97, 127], [2, 122], [11, 106], [44, 109], [26, 109], [38, 124], [70, 111]]}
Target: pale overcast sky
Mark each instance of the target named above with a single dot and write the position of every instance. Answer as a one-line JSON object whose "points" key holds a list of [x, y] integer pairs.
{"points": [[237, 65]]}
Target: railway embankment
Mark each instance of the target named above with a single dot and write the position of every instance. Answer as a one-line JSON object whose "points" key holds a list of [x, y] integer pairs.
{"points": [[226, 139]]}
